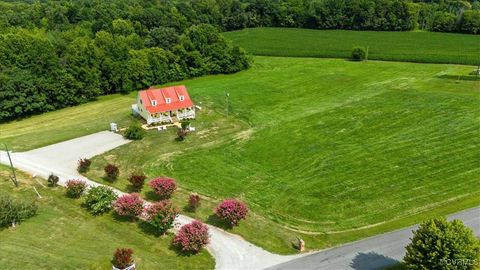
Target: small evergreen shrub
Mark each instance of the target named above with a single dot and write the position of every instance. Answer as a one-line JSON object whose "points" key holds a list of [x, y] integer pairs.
{"points": [[100, 199], [130, 205], [359, 54], [184, 124], [442, 244], [122, 258], [83, 165], [75, 188], [161, 215], [192, 237], [137, 180], [52, 180], [193, 202], [163, 187], [231, 211], [111, 172], [15, 211], [134, 132]]}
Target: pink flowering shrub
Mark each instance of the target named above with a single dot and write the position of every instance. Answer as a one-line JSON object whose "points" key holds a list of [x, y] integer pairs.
{"points": [[192, 237], [75, 188], [163, 186], [161, 215], [129, 205], [232, 211]]}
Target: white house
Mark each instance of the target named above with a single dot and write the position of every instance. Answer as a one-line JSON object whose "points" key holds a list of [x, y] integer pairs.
{"points": [[167, 104]]}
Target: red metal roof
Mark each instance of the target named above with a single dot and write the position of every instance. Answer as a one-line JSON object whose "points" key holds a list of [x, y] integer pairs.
{"points": [[161, 94]]}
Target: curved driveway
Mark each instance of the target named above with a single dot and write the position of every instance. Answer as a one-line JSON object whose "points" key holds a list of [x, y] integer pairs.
{"points": [[231, 251]]}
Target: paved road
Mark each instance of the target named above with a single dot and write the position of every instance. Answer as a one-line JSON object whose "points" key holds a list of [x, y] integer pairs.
{"points": [[229, 250], [372, 253]]}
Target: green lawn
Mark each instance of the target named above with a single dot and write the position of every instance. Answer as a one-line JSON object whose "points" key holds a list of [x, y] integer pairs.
{"points": [[328, 150], [332, 146], [429, 47], [65, 236], [68, 123]]}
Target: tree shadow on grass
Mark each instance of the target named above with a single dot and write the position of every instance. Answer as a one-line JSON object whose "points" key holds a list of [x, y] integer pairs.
{"points": [[131, 188], [152, 196], [372, 261], [188, 208], [108, 179], [179, 251], [120, 218], [217, 222], [148, 229]]}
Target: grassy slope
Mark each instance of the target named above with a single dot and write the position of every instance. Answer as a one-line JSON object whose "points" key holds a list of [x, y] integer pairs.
{"points": [[337, 146], [63, 229], [427, 47], [320, 146], [68, 123]]}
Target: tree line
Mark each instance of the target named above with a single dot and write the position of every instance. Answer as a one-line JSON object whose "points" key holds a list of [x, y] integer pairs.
{"points": [[50, 59], [61, 53], [385, 15]]}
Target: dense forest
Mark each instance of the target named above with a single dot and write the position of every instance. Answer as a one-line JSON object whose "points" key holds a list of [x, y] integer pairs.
{"points": [[61, 53]]}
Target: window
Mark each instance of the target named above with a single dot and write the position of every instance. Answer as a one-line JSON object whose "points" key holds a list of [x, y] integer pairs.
{"points": [[154, 103], [182, 98], [141, 102], [168, 100]]}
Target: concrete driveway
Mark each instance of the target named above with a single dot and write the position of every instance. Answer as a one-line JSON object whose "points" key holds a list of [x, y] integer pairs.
{"points": [[63, 157], [229, 250]]}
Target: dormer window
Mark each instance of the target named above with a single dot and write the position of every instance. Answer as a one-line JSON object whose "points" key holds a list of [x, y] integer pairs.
{"points": [[154, 103], [168, 100], [182, 98]]}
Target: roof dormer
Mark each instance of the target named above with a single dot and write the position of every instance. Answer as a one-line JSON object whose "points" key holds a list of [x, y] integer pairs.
{"points": [[154, 102], [181, 97], [168, 100]]}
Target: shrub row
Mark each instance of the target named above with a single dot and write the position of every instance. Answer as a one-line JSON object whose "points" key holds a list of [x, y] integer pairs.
{"points": [[160, 215]]}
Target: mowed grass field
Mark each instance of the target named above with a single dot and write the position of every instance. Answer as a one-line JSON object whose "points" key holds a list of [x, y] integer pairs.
{"points": [[72, 122], [332, 147], [65, 236], [422, 47], [328, 150]]}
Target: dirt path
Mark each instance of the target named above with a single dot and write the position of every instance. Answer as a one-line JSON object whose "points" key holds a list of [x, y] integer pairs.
{"points": [[230, 251]]}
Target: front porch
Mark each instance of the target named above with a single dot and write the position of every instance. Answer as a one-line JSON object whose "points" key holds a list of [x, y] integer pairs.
{"points": [[159, 118], [171, 116], [185, 114]]}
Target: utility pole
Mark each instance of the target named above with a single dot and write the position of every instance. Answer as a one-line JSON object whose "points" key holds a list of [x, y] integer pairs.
{"points": [[14, 178], [227, 95]]}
